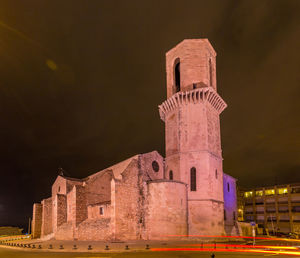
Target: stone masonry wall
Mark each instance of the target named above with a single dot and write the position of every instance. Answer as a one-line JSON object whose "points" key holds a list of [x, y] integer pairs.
{"points": [[59, 186], [95, 229], [205, 204], [151, 167], [59, 211], [127, 223], [77, 207], [81, 206], [94, 211], [213, 131], [98, 188], [147, 161], [71, 183], [71, 205], [76, 213], [205, 217], [194, 58], [65, 231], [167, 209], [36, 225], [193, 136], [47, 217]]}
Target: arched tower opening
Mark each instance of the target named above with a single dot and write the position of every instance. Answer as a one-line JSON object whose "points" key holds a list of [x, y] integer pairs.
{"points": [[210, 73], [177, 75]]}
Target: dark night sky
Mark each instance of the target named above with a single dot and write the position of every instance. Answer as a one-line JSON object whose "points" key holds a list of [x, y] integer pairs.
{"points": [[80, 82]]}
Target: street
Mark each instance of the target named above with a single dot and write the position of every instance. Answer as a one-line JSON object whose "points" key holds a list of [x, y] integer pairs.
{"points": [[12, 253]]}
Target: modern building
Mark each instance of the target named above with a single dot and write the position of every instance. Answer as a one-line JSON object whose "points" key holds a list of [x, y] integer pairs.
{"points": [[148, 196], [275, 208]]}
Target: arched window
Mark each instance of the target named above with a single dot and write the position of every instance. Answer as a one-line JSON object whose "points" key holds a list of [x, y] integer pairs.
{"points": [[228, 187], [171, 175], [177, 74], [216, 174], [210, 73], [193, 179]]}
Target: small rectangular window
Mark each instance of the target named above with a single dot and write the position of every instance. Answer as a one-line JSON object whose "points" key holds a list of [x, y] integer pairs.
{"points": [[101, 211]]}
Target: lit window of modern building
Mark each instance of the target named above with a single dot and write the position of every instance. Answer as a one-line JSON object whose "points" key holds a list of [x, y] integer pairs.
{"points": [[275, 208]]}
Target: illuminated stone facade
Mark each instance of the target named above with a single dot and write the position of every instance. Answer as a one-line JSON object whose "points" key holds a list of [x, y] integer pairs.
{"points": [[148, 196]]}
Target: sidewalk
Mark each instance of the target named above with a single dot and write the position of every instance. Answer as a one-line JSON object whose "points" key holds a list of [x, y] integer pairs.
{"points": [[99, 246]]}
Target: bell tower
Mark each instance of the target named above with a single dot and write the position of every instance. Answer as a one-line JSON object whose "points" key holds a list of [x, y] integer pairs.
{"points": [[192, 132]]}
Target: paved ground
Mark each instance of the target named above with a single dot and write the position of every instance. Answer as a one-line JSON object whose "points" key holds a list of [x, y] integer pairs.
{"points": [[9, 253], [155, 249]]}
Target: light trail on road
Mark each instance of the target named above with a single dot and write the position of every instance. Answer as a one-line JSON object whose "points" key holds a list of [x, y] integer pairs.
{"points": [[232, 237], [228, 250], [244, 246]]}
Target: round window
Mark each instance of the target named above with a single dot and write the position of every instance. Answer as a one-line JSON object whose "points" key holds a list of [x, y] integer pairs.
{"points": [[155, 166]]}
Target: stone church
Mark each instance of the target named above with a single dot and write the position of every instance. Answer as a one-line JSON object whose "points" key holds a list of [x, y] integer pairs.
{"points": [[148, 196]]}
